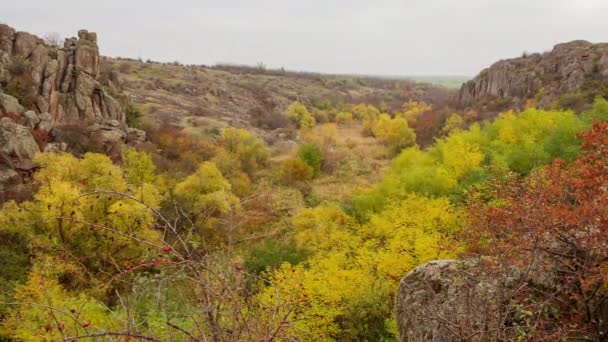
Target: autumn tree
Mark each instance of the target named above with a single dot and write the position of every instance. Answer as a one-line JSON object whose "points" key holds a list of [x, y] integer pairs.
{"points": [[394, 132], [300, 115], [554, 223]]}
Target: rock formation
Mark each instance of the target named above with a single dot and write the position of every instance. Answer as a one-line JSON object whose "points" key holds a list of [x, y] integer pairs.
{"points": [[63, 82], [568, 68], [450, 300], [44, 88]]}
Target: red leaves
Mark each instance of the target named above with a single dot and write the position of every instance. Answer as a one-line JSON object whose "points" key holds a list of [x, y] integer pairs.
{"points": [[86, 324], [558, 216]]}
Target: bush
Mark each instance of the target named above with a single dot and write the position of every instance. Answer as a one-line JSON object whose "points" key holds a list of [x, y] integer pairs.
{"points": [[133, 115], [344, 118], [21, 85], [295, 170], [273, 254], [312, 156], [124, 68], [395, 133], [300, 115]]}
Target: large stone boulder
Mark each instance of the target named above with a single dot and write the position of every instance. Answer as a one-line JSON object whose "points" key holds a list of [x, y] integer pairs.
{"points": [[17, 144], [450, 300], [9, 104]]}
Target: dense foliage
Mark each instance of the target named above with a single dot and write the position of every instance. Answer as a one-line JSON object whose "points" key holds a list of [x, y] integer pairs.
{"points": [[224, 238]]}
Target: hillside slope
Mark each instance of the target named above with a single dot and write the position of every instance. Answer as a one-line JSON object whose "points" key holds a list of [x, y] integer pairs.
{"points": [[250, 97]]}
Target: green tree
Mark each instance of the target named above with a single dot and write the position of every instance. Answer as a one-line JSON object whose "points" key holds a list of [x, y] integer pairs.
{"points": [[312, 156]]}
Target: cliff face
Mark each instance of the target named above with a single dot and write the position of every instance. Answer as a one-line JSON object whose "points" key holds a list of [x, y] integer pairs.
{"points": [[568, 68], [52, 98], [63, 82]]}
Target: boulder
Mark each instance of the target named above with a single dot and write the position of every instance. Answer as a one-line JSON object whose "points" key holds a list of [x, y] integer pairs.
{"points": [[450, 300], [108, 133], [9, 104], [31, 118], [46, 122], [17, 142], [135, 136]]}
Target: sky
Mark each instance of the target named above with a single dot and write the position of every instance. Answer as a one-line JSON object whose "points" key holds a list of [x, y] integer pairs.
{"points": [[379, 37]]}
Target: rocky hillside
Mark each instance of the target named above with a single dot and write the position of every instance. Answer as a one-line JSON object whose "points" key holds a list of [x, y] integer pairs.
{"points": [[52, 98], [202, 98], [570, 73]]}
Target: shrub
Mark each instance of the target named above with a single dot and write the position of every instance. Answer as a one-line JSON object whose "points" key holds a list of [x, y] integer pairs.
{"points": [[395, 133], [312, 156], [295, 170], [272, 254], [133, 115], [300, 115], [344, 118], [21, 85]]}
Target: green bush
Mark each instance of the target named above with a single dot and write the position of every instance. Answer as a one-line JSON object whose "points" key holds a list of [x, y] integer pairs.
{"points": [[312, 156], [133, 115], [272, 254]]}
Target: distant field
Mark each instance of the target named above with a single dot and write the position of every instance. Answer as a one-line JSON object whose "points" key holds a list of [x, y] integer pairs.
{"points": [[446, 81]]}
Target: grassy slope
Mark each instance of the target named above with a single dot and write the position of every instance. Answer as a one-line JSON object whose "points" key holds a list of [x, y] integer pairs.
{"points": [[250, 98]]}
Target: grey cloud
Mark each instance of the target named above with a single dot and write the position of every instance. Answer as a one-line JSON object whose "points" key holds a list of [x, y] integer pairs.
{"points": [[368, 37]]}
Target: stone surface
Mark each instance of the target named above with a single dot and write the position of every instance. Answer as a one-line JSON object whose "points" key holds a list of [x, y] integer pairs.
{"points": [[450, 300], [135, 136], [564, 69], [64, 90], [65, 81], [9, 104], [31, 118], [16, 142]]}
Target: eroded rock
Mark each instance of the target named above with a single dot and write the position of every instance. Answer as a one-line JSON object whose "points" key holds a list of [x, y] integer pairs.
{"points": [[450, 300], [16, 142], [564, 69]]}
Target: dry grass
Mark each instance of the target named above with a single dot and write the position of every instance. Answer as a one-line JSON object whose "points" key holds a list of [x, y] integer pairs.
{"points": [[360, 162]]}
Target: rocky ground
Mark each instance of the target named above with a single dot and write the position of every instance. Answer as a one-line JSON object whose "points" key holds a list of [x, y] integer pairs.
{"points": [[208, 98]]}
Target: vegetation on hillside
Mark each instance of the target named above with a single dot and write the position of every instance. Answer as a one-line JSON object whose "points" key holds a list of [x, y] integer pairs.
{"points": [[222, 237]]}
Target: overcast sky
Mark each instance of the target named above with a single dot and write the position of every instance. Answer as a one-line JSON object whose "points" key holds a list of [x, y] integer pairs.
{"points": [[396, 37]]}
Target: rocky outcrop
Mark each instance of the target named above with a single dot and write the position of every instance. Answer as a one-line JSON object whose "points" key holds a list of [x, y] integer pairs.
{"points": [[568, 68], [63, 82], [17, 145], [450, 300], [44, 88]]}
